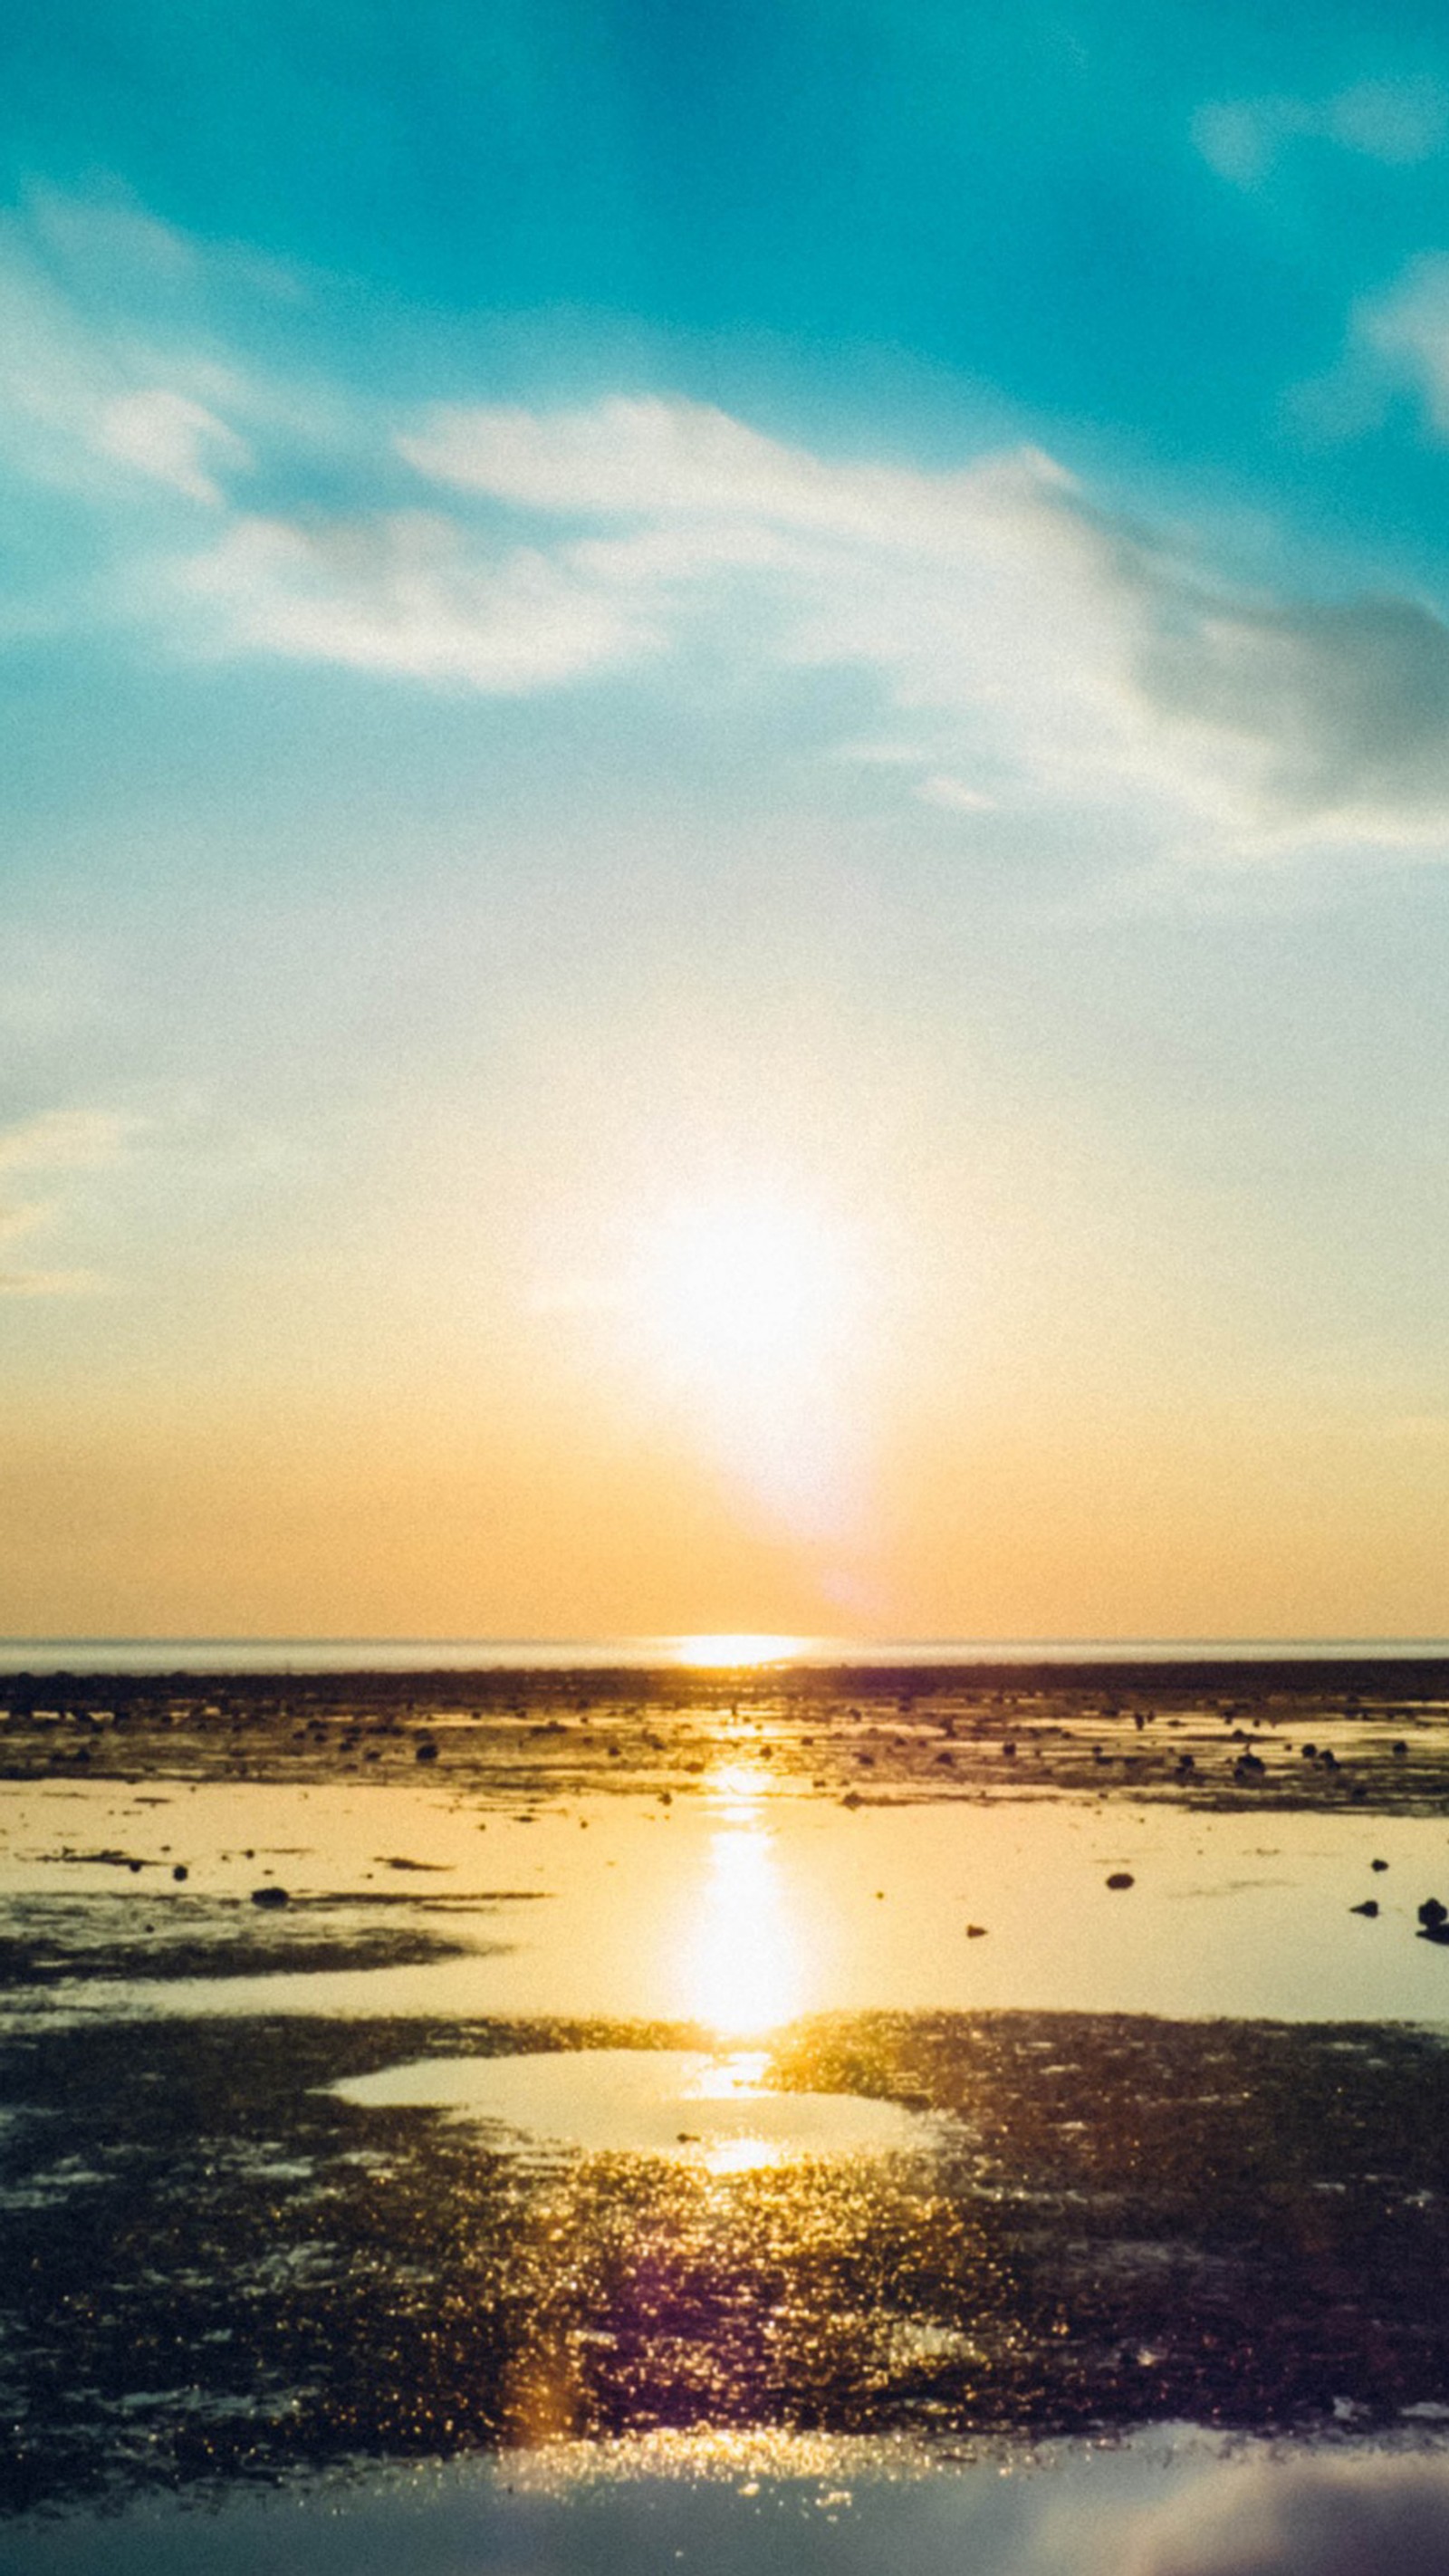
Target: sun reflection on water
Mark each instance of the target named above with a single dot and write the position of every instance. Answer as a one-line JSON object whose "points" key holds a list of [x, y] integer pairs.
{"points": [[739, 2077], [745, 1959], [734, 1651]]}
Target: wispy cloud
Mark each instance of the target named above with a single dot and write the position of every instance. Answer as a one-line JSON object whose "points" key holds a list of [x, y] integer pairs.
{"points": [[89, 398], [1038, 643], [1398, 122], [54, 1141], [1407, 331], [63, 1140], [168, 436], [410, 594], [1032, 648]]}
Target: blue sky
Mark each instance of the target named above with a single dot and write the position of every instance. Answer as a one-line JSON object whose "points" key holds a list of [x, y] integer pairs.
{"points": [[835, 615]]}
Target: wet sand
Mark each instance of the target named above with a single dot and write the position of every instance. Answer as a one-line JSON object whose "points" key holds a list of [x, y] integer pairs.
{"points": [[976, 2206], [1213, 1735], [221, 2264]]}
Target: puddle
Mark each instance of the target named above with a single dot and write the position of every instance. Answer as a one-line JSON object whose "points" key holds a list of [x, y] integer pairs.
{"points": [[715, 2110], [745, 2505], [743, 1907]]}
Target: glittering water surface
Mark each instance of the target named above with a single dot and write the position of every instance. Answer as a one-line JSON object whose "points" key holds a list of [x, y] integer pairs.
{"points": [[592, 2095]]}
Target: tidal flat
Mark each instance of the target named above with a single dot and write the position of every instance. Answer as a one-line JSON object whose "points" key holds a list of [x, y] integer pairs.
{"points": [[696, 2082]]}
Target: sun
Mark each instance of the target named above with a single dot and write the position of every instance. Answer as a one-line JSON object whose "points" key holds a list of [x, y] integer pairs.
{"points": [[748, 1317], [741, 1293]]}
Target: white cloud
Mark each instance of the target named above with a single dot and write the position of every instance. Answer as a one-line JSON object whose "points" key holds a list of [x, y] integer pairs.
{"points": [[1040, 647], [56, 1140], [407, 595], [110, 238], [167, 436], [87, 400], [1408, 329], [1399, 122], [1031, 650]]}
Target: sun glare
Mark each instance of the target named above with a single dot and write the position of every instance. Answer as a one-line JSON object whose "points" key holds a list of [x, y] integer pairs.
{"points": [[728, 1652], [749, 1314], [736, 1291], [744, 1966]]}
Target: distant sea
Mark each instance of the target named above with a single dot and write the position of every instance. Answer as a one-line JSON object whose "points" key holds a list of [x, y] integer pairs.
{"points": [[578, 1654]]}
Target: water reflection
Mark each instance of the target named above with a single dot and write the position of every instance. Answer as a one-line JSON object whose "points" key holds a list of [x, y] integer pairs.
{"points": [[745, 1962], [736, 1650], [715, 2112]]}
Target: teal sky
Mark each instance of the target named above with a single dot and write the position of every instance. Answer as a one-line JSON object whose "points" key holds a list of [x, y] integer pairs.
{"points": [[725, 751]]}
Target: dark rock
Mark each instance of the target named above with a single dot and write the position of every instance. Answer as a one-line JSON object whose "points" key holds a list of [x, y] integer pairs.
{"points": [[272, 1896], [1121, 1878], [426, 1752], [1370, 1907], [180, 1872], [1378, 1864], [975, 1931]]}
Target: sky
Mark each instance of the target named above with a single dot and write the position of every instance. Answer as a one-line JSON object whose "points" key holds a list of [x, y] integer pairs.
{"points": [[724, 753]]}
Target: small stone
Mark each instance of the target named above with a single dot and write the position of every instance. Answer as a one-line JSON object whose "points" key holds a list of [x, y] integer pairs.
{"points": [[1378, 1864], [975, 1931], [426, 1752], [1370, 1907], [1121, 1878], [180, 1872], [270, 1896]]}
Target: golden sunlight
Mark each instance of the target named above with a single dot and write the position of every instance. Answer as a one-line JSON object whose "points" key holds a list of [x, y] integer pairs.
{"points": [[745, 1293], [752, 1311], [738, 2078], [744, 1966], [728, 1652]]}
